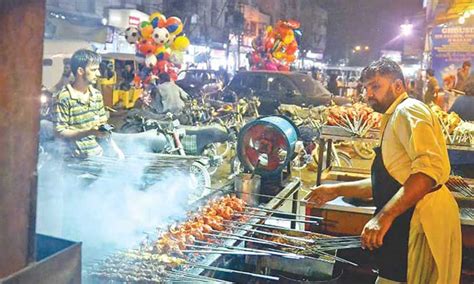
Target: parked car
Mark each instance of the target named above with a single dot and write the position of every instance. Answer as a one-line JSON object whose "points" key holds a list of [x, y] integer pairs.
{"points": [[278, 88], [196, 82]]}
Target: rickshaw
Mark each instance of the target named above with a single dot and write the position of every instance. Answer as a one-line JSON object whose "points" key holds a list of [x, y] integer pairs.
{"points": [[111, 83]]}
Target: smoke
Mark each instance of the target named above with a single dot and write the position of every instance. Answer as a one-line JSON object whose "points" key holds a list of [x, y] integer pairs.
{"points": [[112, 211]]}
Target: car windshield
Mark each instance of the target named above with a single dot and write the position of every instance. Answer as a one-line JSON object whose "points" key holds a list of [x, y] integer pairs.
{"points": [[307, 85], [194, 76]]}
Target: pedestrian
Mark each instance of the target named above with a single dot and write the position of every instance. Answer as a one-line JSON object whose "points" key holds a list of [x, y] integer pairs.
{"points": [[66, 77], [432, 88], [169, 96], [462, 75], [415, 234]]}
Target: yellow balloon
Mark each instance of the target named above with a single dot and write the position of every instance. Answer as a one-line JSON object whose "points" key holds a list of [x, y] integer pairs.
{"points": [[180, 43], [289, 38], [278, 55], [160, 49]]}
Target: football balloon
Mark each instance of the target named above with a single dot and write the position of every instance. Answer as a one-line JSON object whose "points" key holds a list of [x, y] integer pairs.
{"points": [[161, 36], [132, 35]]}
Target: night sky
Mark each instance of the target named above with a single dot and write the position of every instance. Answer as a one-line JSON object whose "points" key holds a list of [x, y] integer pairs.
{"points": [[366, 22]]}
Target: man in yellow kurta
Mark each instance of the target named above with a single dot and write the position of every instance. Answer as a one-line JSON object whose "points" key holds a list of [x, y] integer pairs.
{"points": [[415, 233]]}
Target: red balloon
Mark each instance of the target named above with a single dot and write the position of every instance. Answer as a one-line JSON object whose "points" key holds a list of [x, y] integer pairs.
{"points": [[292, 48], [147, 47]]}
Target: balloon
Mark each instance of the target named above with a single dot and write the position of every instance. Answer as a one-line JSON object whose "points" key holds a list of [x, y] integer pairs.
{"points": [[132, 35], [150, 60], [161, 35], [174, 25], [160, 49], [292, 24], [290, 58], [157, 20], [171, 39], [180, 43], [144, 24], [147, 47], [289, 38], [279, 55], [276, 46], [291, 48], [146, 30]]}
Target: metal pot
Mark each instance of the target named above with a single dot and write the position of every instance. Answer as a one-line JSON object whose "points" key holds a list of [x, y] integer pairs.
{"points": [[247, 186]]}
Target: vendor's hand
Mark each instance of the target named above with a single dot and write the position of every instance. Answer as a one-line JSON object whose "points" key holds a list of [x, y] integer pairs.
{"points": [[374, 232], [321, 194]]}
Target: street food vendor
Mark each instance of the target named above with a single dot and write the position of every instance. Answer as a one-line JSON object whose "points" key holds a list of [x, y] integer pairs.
{"points": [[415, 234], [79, 108]]}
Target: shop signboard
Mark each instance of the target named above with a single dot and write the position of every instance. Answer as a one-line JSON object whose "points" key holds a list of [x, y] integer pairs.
{"points": [[451, 46]]}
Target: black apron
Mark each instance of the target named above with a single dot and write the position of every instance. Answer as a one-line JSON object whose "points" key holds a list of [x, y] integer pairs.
{"points": [[392, 257]]}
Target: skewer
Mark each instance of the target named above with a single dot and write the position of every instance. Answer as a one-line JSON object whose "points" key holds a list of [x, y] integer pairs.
{"points": [[275, 218], [223, 252], [281, 198], [198, 277], [282, 253], [274, 227], [207, 267], [272, 234], [251, 239], [284, 213]]}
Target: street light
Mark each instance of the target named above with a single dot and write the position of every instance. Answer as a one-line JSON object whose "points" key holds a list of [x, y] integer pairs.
{"points": [[406, 29], [357, 48], [366, 47]]}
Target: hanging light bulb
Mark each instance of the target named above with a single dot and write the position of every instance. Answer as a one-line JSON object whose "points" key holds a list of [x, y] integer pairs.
{"points": [[462, 20]]}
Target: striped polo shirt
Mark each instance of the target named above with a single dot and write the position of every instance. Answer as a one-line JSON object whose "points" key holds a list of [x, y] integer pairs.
{"points": [[74, 110]]}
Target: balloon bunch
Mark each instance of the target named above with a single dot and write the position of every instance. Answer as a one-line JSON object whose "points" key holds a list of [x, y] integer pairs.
{"points": [[276, 49], [160, 42]]}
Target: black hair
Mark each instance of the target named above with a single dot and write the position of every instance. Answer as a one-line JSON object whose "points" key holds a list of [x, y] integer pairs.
{"points": [[384, 67], [82, 58], [430, 72], [164, 77]]}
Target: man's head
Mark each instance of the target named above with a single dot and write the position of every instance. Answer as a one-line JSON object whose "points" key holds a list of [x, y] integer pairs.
{"points": [[67, 67], [128, 67], [384, 82], [430, 72], [164, 77], [466, 65], [85, 65]]}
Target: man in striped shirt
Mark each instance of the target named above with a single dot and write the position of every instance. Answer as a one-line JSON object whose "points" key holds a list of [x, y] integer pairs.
{"points": [[79, 108]]}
